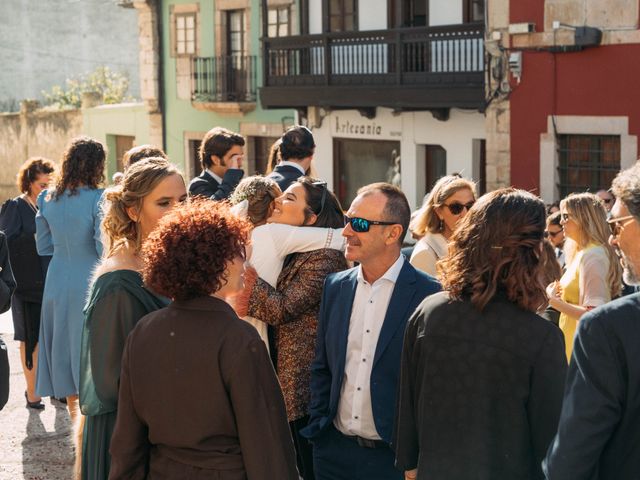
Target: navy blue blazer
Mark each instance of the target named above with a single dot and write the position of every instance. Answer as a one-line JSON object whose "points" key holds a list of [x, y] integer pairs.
{"points": [[285, 175], [207, 186], [327, 369]]}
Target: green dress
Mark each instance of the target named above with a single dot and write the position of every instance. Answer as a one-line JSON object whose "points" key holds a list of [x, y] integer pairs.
{"points": [[118, 300]]}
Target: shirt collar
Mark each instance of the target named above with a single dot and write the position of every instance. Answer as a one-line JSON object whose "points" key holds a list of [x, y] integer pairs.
{"points": [[285, 163], [391, 275], [216, 177]]}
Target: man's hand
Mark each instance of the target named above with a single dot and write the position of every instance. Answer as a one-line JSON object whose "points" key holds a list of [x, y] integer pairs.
{"points": [[235, 161]]}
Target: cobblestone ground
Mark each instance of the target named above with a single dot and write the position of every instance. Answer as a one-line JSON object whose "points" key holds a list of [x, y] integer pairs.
{"points": [[33, 445]]}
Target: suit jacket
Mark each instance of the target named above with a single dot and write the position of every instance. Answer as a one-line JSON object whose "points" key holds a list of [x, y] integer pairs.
{"points": [[285, 175], [293, 309], [599, 432], [199, 398], [327, 369], [207, 186]]}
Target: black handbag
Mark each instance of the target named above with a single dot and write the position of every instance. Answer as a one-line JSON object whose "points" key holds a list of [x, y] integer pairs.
{"points": [[4, 374]]}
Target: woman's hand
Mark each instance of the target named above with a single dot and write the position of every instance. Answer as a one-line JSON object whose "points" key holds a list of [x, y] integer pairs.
{"points": [[241, 301], [411, 474], [554, 290]]}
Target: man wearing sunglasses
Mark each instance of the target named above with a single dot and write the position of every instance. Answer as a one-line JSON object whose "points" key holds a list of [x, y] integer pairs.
{"points": [[599, 431], [362, 318], [555, 234]]}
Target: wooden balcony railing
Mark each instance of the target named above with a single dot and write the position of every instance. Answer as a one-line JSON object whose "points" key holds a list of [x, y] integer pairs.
{"points": [[445, 57], [224, 79]]}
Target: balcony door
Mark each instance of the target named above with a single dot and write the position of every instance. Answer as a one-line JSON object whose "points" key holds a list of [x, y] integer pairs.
{"points": [[234, 65]]}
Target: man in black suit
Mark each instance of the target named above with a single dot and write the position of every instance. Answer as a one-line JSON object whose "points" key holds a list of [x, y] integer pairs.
{"points": [[296, 150], [354, 375], [221, 154], [599, 432]]}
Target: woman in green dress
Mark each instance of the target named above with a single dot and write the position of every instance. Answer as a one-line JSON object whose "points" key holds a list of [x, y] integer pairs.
{"points": [[118, 299]]}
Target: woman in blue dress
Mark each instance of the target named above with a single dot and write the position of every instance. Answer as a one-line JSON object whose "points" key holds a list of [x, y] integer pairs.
{"points": [[68, 228]]}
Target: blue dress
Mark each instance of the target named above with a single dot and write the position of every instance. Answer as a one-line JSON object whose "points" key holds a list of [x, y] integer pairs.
{"points": [[69, 229]]}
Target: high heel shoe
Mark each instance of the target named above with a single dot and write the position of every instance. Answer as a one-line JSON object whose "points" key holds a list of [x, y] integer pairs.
{"points": [[35, 405]]}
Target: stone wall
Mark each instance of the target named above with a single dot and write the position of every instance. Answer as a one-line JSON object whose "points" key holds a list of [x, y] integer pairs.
{"points": [[498, 118], [33, 133]]}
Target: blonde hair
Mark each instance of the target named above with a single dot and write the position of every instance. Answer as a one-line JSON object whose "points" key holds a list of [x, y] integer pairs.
{"points": [[259, 192], [118, 228], [427, 220], [589, 214]]}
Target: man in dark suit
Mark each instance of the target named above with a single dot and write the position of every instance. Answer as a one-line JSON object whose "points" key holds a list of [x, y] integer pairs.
{"points": [[221, 154], [599, 432], [296, 150], [362, 319]]}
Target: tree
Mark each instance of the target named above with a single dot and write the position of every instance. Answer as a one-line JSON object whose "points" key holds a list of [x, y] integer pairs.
{"points": [[112, 87]]}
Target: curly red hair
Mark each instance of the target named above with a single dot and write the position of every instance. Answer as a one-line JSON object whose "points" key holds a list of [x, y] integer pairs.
{"points": [[186, 256]]}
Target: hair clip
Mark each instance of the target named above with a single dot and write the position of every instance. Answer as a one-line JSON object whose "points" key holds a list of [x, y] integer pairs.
{"points": [[496, 247]]}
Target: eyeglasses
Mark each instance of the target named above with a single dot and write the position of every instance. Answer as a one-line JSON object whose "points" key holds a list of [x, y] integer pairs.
{"points": [[565, 217], [607, 200], [616, 226], [362, 225], [549, 233], [322, 185], [456, 208]]}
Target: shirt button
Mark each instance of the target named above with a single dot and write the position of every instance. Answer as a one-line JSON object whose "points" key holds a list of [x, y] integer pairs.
{"points": [[370, 301], [368, 331], [356, 417], [364, 359], [359, 389], [172, 334]]}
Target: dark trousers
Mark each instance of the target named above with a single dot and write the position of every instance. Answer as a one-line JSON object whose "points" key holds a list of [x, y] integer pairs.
{"points": [[304, 458], [337, 457]]}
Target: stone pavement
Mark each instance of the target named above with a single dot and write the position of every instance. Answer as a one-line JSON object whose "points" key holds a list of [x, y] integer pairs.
{"points": [[33, 445]]}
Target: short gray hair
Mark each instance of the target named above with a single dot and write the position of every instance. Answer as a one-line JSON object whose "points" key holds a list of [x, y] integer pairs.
{"points": [[626, 188]]}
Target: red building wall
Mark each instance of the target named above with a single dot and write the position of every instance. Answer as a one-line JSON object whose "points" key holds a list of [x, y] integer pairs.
{"points": [[599, 81]]}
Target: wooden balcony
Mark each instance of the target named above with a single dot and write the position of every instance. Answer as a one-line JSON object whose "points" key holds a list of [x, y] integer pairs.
{"points": [[406, 69], [225, 84]]}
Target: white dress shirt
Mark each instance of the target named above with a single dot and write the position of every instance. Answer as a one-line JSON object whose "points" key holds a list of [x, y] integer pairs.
{"points": [[370, 303], [284, 163], [216, 177]]}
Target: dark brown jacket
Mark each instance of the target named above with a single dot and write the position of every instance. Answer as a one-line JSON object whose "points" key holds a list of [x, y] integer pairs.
{"points": [[199, 399], [293, 310]]}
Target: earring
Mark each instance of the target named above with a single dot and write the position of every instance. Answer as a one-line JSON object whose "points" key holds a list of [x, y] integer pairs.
{"points": [[441, 225]]}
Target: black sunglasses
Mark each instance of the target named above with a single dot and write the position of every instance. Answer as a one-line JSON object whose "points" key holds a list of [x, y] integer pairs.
{"points": [[322, 185], [617, 224], [362, 225], [456, 208], [549, 233]]}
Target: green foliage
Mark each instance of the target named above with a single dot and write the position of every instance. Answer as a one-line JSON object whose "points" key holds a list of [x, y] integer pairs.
{"points": [[112, 87]]}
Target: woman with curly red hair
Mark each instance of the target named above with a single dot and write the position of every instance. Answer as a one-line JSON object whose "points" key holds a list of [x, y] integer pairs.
{"points": [[482, 375], [18, 222], [198, 395], [68, 228]]}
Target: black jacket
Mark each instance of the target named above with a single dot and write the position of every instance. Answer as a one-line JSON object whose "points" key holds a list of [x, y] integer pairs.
{"points": [[599, 432], [207, 186], [285, 175], [480, 392], [7, 283]]}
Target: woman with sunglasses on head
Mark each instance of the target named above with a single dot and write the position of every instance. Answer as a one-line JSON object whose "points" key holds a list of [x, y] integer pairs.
{"points": [[593, 274], [118, 298], [447, 203], [18, 222], [255, 198], [293, 307]]}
